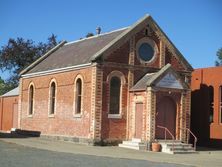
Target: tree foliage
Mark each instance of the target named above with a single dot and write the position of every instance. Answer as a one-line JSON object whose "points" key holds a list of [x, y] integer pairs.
{"points": [[19, 53], [4, 87], [218, 62]]}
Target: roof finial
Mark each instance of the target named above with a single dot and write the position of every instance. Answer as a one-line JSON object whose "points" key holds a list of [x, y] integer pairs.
{"points": [[98, 30]]}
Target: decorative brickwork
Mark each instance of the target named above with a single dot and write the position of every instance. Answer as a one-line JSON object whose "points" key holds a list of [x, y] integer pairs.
{"points": [[130, 80], [151, 111], [98, 102], [93, 103], [183, 117], [162, 54]]}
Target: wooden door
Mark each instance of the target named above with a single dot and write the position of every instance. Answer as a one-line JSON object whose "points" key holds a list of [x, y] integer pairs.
{"points": [[139, 120], [166, 117]]}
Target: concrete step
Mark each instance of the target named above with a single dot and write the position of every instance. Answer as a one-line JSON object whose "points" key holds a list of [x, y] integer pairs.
{"points": [[131, 143], [168, 141], [182, 145], [177, 147], [134, 144], [128, 146], [136, 140]]}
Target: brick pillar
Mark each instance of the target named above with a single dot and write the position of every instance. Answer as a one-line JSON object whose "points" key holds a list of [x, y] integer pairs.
{"points": [[183, 117], [187, 112], [130, 82], [162, 54], [96, 102], [20, 104], [151, 114], [188, 106]]}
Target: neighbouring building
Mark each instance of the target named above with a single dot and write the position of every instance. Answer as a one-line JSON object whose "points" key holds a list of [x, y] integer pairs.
{"points": [[110, 87], [9, 110], [207, 105]]}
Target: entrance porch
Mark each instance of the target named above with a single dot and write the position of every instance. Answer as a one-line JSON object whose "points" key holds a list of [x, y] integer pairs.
{"points": [[160, 108]]}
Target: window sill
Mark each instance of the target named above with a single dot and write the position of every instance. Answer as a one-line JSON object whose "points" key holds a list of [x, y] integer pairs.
{"points": [[30, 116], [77, 115], [51, 116], [115, 116]]}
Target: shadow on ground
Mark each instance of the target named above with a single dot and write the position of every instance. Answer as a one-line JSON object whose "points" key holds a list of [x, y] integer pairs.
{"points": [[20, 134], [208, 149]]}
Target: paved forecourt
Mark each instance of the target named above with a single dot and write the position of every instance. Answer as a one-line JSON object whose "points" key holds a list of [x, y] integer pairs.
{"points": [[203, 158]]}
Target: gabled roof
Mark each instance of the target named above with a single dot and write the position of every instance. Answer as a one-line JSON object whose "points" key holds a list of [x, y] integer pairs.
{"points": [[91, 49], [13, 92], [152, 79], [126, 35], [75, 53]]}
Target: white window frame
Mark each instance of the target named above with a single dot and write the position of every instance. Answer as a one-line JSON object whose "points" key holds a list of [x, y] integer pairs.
{"points": [[49, 99], [33, 104], [78, 115]]}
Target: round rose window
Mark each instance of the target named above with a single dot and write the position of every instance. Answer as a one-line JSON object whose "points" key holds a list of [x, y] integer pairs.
{"points": [[146, 51]]}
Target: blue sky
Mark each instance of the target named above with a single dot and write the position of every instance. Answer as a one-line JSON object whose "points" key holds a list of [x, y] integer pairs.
{"points": [[194, 26]]}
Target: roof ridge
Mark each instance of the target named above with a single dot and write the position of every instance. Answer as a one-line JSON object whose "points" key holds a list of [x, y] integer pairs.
{"points": [[95, 36]]}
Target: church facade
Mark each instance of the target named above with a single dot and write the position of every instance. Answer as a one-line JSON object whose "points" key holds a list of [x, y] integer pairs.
{"points": [[128, 83]]}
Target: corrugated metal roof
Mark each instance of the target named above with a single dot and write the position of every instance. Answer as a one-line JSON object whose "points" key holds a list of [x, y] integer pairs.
{"points": [[13, 92]]}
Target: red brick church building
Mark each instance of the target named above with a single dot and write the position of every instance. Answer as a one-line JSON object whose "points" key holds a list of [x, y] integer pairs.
{"points": [[110, 87]]}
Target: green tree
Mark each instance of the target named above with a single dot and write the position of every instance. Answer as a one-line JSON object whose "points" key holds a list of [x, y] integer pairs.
{"points": [[19, 53], [3, 87], [218, 62]]}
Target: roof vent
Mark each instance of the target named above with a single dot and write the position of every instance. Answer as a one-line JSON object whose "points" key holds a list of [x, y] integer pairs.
{"points": [[98, 30]]}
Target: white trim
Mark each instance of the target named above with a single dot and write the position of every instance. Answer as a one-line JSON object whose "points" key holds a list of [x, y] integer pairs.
{"points": [[58, 70], [121, 76], [97, 35], [115, 116], [49, 99], [33, 101], [75, 114]]}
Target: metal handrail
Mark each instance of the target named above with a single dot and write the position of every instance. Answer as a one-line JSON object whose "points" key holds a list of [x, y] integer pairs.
{"points": [[195, 138], [165, 131]]}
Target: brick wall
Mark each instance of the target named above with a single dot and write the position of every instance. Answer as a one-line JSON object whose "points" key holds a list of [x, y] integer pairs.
{"points": [[202, 79], [113, 129], [64, 122]]}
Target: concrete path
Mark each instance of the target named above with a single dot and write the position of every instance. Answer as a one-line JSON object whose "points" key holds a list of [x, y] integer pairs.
{"points": [[204, 158]]}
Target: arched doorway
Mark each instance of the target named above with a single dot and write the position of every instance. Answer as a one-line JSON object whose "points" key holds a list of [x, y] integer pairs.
{"points": [[166, 117]]}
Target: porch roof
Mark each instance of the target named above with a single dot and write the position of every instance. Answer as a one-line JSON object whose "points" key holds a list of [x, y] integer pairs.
{"points": [[151, 79], [142, 83]]}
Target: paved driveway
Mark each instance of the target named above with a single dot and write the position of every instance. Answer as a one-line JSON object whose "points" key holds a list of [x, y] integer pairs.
{"points": [[13, 155]]}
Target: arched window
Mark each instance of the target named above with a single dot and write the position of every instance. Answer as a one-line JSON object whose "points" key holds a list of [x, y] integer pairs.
{"points": [[78, 96], [52, 98], [31, 96], [115, 88], [220, 103], [211, 103]]}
